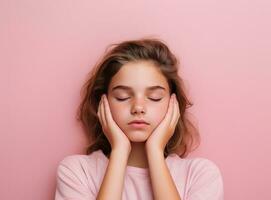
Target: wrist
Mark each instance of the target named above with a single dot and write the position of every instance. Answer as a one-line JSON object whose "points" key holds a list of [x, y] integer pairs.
{"points": [[152, 145], [153, 149], [122, 150]]}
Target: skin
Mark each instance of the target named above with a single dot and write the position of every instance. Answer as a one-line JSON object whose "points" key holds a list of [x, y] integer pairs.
{"points": [[138, 147], [138, 105]]}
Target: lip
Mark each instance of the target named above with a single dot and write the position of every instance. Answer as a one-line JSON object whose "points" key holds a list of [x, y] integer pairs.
{"points": [[138, 125], [139, 122]]}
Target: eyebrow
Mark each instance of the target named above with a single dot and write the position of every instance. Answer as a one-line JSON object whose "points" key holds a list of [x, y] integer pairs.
{"points": [[124, 87]]}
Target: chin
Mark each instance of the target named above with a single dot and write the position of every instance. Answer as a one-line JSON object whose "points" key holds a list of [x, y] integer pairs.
{"points": [[137, 136]]}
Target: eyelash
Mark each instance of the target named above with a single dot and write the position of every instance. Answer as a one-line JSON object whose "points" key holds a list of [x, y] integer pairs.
{"points": [[128, 98]]}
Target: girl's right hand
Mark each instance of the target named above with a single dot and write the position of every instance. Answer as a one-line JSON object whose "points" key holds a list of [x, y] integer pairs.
{"points": [[114, 134]]}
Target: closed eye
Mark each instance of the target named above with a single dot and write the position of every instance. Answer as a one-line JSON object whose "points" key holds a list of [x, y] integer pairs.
{"points": [[155, 99], [119, 99]]}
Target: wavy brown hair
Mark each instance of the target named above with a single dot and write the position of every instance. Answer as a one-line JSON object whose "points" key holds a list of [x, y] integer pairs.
{"points": [[116, 55]]}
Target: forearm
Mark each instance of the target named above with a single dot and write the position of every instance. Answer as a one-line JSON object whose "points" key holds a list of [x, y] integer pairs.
{"points": [[112, 185], [162, 183]]}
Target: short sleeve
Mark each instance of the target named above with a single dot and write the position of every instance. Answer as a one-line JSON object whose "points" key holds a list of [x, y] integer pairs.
{"points": [[206, 183], [72, 181]]}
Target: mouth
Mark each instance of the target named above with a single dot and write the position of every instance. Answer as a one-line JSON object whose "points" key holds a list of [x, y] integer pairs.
{"points": [[138, 125]]}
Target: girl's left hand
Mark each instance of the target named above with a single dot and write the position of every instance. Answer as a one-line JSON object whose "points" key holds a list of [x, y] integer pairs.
{"points": [[163, 132]]}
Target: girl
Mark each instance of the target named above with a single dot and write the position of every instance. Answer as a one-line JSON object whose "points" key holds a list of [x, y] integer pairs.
{"points": [[134, 110]]}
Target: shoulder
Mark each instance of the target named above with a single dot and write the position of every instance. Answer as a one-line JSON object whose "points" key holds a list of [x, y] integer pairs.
{"points": [[73, 163], [73, 160], [194, 165], [204, 178], [200, 164], [81, 159], [200, 168], [77, 176], [74, 168], [81, 165]]}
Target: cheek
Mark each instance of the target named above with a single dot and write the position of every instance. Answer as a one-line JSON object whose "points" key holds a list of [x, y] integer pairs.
{"points": [[158, 113], [118, 112]]}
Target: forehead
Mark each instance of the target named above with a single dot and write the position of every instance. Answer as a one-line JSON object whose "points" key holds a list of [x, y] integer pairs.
{"points": [[139, 75]]}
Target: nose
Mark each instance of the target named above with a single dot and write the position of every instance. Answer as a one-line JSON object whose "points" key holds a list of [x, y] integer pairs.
{"points": [[138, 107]]}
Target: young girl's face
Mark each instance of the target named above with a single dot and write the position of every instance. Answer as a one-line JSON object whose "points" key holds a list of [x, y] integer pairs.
{"points": [[130, 98]]}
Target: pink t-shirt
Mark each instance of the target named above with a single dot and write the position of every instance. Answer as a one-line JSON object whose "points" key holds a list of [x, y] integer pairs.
{"points": [[79, 178]]}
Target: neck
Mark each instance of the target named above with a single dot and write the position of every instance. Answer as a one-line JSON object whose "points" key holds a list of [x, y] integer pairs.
{"points": [[138, 157]]}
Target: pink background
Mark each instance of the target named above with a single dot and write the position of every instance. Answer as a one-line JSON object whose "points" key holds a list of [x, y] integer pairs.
{"points": [[48, 47]]}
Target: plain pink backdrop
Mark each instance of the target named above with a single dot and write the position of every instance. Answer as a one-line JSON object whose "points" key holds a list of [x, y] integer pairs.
{"points": [[48, 47]]}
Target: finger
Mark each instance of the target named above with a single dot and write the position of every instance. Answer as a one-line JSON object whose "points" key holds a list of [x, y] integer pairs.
{"points": [[169, 113], [99, 111], [175, 116], [103, 114], [173, 113], [108, 116]]}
